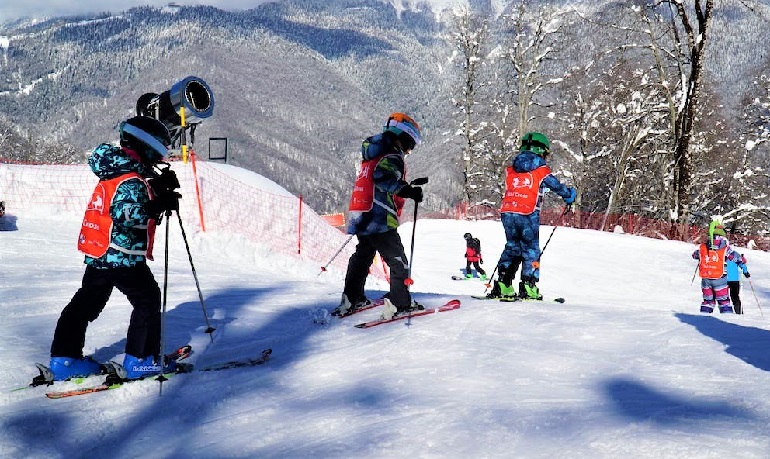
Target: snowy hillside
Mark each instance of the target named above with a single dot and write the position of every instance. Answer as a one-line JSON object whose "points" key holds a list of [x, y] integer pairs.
{"points": [[627, 367]]}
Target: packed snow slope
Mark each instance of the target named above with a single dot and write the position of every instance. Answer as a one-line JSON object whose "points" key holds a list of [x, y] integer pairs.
{"points": [[626, 368]]}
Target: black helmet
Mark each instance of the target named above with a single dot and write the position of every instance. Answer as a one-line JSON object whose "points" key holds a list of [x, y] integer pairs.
{"points": [[148, 136], [468, 236]]}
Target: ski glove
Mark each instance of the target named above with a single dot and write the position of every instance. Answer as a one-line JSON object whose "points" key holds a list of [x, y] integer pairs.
{"points": [[411, 192], [572, 196], [746, 273], [166, 181]]}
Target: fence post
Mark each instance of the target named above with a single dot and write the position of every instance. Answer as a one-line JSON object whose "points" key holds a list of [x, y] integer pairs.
{"points": [[299, 227]]}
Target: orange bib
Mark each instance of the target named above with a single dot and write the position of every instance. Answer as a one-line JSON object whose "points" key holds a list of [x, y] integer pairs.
{"points": [[522, 190], [712, 262], [362, 198], [96, 229]]}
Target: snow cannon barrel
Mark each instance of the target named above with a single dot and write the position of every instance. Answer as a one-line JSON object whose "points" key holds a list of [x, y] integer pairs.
{"points": [[192, 93]]}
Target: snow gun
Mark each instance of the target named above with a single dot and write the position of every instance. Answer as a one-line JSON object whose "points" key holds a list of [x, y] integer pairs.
{"points": [[184, 106]]}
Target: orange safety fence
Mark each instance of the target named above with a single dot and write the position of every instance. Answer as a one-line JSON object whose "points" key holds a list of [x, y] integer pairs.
{"points": [[219, 200]]}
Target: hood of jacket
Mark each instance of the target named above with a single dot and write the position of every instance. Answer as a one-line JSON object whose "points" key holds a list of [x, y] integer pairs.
{"points": [[378, 145], [526, 161], [108, 161]]}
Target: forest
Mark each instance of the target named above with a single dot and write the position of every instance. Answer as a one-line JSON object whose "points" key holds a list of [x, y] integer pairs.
{"points": [[653, 108]]}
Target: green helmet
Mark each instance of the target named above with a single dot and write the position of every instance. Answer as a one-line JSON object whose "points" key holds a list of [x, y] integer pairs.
{"points": [[535, 142], [716, 229]]}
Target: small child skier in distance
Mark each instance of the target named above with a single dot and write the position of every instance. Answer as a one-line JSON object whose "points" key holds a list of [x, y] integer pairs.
{"points": [[473, 256], [712, 256]]}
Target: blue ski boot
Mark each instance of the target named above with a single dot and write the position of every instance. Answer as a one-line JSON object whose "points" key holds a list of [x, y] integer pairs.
{"points": [[142, 367], [64, 368]]}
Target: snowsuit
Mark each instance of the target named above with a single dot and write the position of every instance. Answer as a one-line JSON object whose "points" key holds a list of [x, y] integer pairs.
{"points": [[734, 283], [473, 256], [522, 226], [123, 264], [712, 257], [374, 212]]}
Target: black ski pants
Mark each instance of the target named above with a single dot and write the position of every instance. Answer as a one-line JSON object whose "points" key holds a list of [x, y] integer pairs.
{"points": [[391, 250], [735, 295], [142, 291]]}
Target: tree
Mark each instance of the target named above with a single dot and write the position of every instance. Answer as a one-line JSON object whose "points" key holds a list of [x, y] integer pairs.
{"points": [[469, 36]]}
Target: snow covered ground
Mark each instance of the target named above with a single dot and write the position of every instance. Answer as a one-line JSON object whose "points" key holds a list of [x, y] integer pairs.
{"points": [[626, 368]]}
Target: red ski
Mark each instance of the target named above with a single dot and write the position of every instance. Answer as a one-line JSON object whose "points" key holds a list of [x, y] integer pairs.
{"points": [[450, 305]]}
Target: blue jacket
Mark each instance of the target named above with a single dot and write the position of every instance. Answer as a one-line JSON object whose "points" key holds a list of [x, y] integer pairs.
{"points": [[734, 270], [128, 212], [388, 180]]}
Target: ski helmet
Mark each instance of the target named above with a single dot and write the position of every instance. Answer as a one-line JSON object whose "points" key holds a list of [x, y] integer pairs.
{"points": [[535, 142], [716, 229], [468, 236], [407, 130], [148, 136]]}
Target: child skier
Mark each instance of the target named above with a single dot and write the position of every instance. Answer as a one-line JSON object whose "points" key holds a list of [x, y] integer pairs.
{"points": [[473, 256], [734, 282], [712, 256]]}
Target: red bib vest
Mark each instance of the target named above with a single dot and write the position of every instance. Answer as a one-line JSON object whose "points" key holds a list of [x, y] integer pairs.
{"points": [[96, 230], [712, 262], [362, 198], [522, 190]]}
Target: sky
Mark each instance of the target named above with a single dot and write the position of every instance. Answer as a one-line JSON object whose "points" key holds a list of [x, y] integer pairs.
{"points": [[14, 9], [626, 367]]}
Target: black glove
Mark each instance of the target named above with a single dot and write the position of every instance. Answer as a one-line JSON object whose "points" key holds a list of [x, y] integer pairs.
{"points": [[164, 202], [411, 192], [746, 274], [166, 181]]}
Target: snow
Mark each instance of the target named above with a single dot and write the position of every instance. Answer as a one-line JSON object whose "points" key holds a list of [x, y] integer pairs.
{"points": [[627, 367]]}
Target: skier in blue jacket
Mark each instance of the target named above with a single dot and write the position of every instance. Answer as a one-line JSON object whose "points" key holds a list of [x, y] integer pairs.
{"points": [[525, 181], [734, 281]]}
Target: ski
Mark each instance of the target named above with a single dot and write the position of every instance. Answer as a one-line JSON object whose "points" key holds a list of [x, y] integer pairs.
{"points": [[460, 278], [450, 305], [241, 363], [372, 304], [516, 298], [115, 381]]}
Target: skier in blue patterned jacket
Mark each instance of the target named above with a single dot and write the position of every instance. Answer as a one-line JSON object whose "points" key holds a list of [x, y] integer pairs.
{"points": [[116, 237], [525, 180], [375, 205]]}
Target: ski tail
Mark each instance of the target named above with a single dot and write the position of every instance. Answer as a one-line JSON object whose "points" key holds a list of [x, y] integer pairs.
{"points": [[448, 306]]}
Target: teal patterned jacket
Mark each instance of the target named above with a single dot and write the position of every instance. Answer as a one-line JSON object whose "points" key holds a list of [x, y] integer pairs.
{"points": [[389, 178], [129, 217]]}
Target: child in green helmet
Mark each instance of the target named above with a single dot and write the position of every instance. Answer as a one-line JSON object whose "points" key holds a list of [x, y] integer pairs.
{"points": [[712, 257]]}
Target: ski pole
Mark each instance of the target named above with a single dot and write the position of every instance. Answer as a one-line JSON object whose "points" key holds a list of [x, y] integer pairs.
{"points": [[755, 298], [409, 281], [491, 279], [323, 268], [695, 273], [209, 328], [416, 182], [566, 209], [162, 378]]}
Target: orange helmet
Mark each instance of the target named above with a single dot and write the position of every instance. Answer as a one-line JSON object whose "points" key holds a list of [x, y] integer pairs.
{"points": [[399, 124]]}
